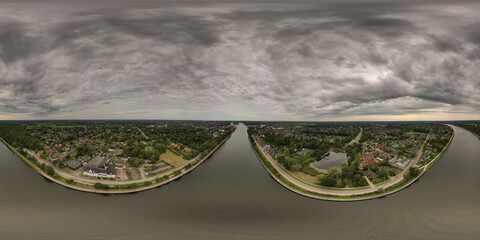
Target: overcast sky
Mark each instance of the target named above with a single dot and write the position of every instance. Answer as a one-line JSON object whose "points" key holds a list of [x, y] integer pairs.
{"points": [[312, 60]]}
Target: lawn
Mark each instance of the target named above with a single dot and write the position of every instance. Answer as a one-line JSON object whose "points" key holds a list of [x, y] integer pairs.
{"points": [[305, 177], [413, 133], [172, 159], [149, 148]]}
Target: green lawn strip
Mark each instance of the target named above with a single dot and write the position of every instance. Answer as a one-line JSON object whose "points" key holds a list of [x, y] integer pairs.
{"points": [[413, 133]]}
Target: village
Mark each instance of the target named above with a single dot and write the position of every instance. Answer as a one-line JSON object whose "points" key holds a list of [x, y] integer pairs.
{"points": [[343, 157], [122, 150]]}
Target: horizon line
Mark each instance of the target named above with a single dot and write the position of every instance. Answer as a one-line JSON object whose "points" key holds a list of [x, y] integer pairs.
{"points": [[219, 120]]}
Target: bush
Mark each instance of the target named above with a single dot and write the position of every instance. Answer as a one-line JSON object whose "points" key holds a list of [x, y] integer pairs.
{"points": [[147, 183], [101, 186], [329, 181], [414, 171], [31, 158], [50, 171]]}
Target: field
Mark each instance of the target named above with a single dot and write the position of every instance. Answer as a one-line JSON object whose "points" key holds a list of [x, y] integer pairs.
{"points": [[172, 159], [305, 177], [413, 133]]}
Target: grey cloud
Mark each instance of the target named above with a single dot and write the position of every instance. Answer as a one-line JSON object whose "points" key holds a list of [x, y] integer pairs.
{"points": [[308, 61]]}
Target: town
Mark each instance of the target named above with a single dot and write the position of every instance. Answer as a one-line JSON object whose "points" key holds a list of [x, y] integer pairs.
{"points": [[115, 151]]}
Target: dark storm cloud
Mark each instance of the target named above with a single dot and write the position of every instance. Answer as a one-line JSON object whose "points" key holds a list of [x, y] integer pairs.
{"points": [[303, 61], [14, 42], [177, 28]]}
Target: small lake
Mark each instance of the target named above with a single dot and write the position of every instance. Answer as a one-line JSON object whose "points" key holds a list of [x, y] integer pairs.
{"points": [[332, 159]]}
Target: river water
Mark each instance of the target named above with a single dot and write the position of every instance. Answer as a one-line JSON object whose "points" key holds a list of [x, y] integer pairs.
{"points": [[230, 196]]}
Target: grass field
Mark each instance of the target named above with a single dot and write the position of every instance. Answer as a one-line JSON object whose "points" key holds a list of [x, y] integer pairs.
{"points": [[305, 177], [413, 133], [172, 159]]}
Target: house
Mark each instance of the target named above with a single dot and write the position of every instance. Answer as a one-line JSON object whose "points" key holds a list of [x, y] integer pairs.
{"points": [[62, 156], [276, 154], [108, 172], [415, 149], [186, 149], [116, 151], [262, 143], [267, 147], [385, 155], [120, 161], [369, 163], [402, 162], [369, 174], [367, 157], [304, 151], [76, 163]]}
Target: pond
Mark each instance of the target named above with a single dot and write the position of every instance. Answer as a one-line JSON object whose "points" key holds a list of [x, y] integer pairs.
{"points": [[332, 159]]}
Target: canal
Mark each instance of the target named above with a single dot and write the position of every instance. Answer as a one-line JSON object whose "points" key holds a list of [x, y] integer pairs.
{"points": [[231, 196]]}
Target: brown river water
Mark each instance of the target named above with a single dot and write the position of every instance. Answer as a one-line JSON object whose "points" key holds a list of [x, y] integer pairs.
{"points": [[231, 196]]}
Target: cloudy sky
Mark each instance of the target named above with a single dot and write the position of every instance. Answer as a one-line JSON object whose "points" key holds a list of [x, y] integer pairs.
{"points": [[312, 60]]}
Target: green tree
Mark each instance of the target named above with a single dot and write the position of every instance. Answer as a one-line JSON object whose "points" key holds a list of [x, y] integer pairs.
{"points": [[329, 181], [50, 171]]}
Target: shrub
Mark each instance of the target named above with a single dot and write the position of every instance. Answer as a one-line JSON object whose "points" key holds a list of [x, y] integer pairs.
{"points": [[147, 183], [50, 171], [101, 186]]}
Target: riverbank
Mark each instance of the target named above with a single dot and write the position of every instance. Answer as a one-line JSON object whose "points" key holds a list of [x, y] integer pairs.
{"points": [[117, 188], [340, 195], [474, 133]]}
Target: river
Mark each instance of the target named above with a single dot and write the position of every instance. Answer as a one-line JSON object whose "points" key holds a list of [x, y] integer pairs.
{"points": [[231, 196]]}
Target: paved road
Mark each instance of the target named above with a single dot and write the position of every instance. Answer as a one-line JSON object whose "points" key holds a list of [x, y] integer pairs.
{"points": [[356, 139], [343, 192], [143, 133]]}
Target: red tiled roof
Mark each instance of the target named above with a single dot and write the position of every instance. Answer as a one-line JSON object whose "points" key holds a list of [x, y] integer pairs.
{"points": [[369, 163]]}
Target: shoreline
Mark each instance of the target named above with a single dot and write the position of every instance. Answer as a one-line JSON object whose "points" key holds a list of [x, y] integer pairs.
{"points": [[474, 133], [111, 191], [344, 198]]}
